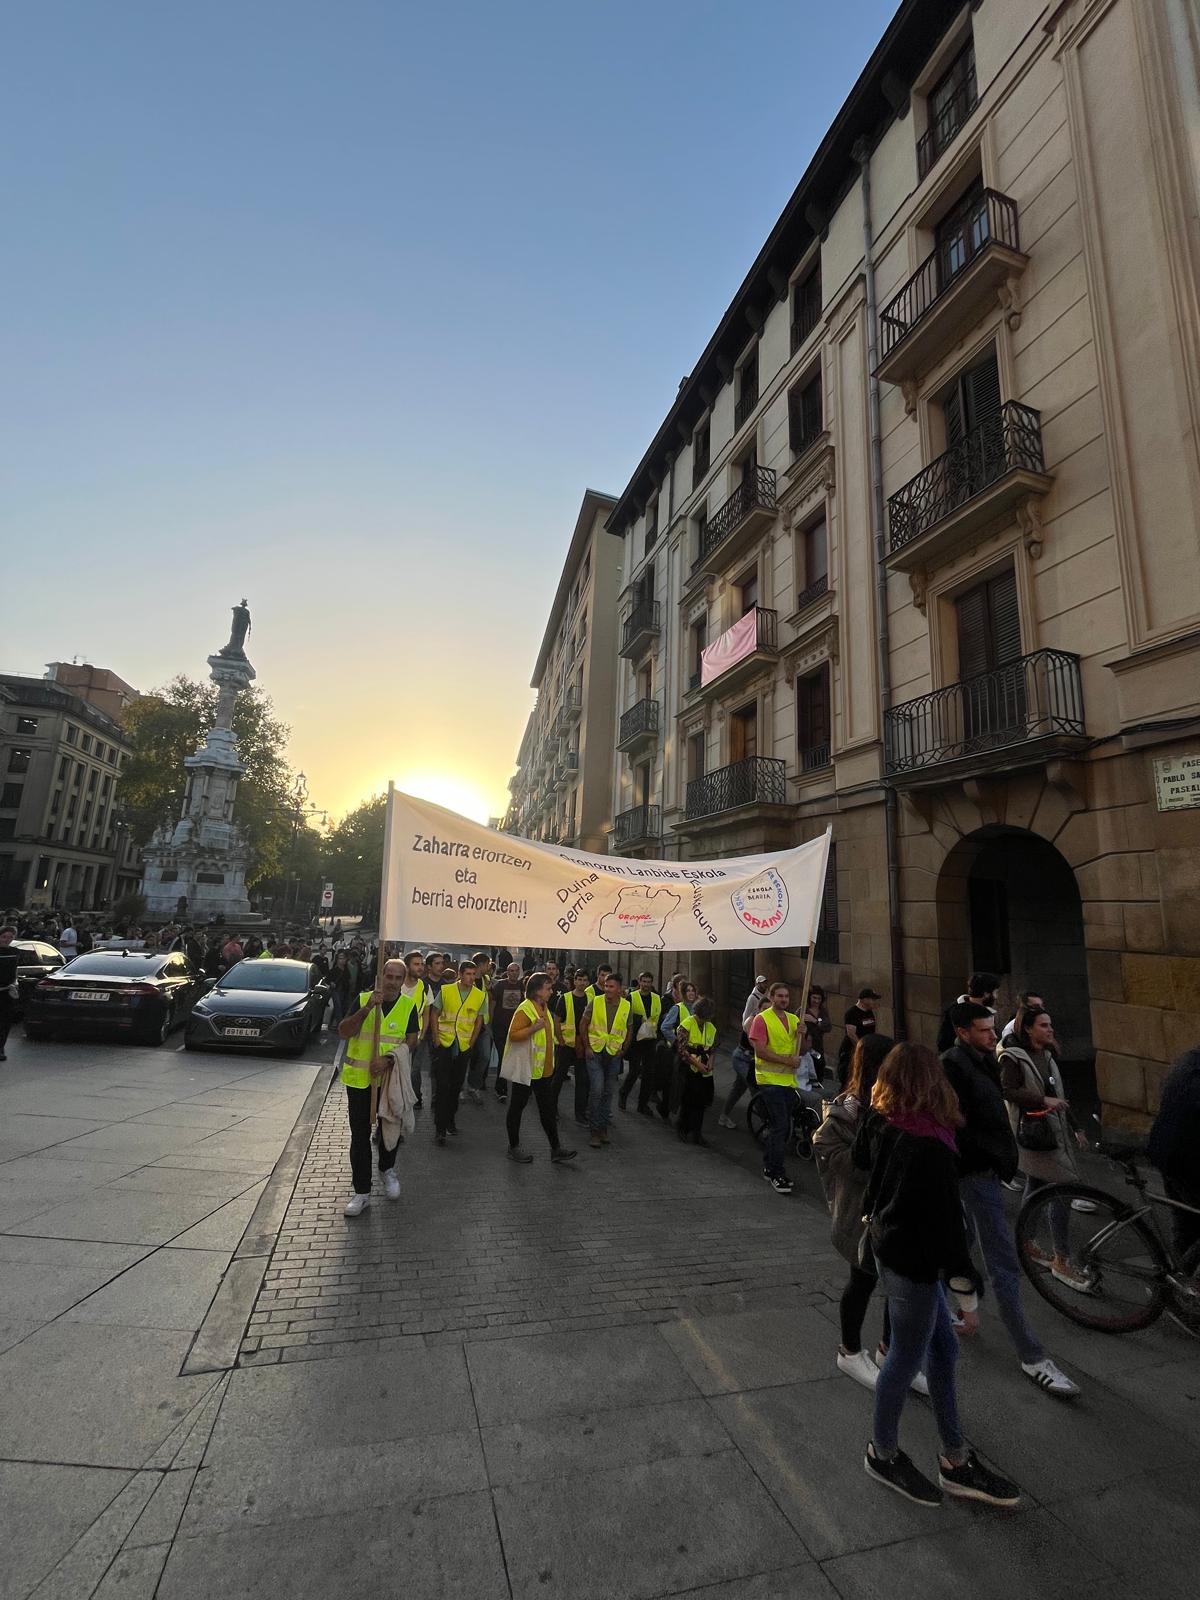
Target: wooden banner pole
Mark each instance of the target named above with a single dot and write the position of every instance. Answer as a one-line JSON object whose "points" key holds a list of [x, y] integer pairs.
{"points": [[381, 955]]}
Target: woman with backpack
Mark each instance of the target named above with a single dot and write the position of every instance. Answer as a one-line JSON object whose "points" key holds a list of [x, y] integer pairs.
{"points": [[1044, 1134], [845, 1184], [919, 1242]]}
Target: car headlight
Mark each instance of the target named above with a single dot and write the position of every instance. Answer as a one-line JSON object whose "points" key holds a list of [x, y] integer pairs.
{"points": [[294, 1011]]}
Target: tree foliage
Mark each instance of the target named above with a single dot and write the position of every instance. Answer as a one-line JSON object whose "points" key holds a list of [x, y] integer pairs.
{"points": [[166, 726], [354, 857]]}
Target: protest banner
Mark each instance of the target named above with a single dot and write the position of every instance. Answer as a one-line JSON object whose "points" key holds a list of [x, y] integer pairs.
{"points": [[449, 880]]}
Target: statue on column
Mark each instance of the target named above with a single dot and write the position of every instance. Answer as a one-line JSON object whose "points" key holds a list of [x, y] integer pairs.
{"points": [[238, 632]]}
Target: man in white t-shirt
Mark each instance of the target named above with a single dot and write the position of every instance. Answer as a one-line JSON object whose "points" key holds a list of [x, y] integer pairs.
{"points": [[68, 942]]}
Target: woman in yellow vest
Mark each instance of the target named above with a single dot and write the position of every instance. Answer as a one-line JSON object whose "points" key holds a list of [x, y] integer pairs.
{"points": [[697, 1041], [647, 1014], [607, 1023], [775, 1036], [398, 1024], [532, 1030], [570, 1052], [456, 1013]]}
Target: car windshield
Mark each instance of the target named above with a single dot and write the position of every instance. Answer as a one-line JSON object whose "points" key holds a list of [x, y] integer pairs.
{"points": [[114, 965], [285, 977]]}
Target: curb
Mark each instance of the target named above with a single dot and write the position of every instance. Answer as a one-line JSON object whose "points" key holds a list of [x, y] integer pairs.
{"points": [[219, 1338]]}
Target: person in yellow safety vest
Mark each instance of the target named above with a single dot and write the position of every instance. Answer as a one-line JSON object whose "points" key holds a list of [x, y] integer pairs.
{"points": [[570, 1052], [647, 1014], [398, 1024], [532, 1022], [697, 1041], [456, 1017], [417, 990], [777, 1042], [608, 1024], [593, 989], [684, 995]]}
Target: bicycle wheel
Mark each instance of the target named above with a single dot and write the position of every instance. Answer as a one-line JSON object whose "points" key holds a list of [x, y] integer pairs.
{"points": [[1120, 1258], [757, 1120], [804, 1124], [1183, 1305]]}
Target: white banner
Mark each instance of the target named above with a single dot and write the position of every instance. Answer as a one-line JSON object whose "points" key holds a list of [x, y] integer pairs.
{"points": [[447, 880]]}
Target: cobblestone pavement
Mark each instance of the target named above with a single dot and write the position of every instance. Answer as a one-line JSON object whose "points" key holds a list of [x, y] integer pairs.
{"points": [[478, 1245]]}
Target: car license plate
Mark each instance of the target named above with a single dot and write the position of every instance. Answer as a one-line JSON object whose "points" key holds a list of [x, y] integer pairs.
{"points": [[241, 1033], [87, 994]]}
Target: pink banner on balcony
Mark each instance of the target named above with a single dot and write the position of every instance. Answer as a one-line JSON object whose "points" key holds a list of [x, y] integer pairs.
{"points": [[734, 645]]}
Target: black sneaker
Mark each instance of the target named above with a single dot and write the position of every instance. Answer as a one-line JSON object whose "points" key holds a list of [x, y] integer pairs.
{"points": [[782, 1185], [418, 1103], [974, 1481], [623, 1102], [515, 1153], [900, 1474], [563, 1155], [440, 1139]]}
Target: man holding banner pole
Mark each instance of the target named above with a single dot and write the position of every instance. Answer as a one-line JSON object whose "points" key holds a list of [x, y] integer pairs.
{"points": [[384, 1019]]}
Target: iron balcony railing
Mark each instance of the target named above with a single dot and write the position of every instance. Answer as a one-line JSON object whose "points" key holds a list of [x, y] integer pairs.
{"points": [[1008, 440], [1037, 696], [639, 822], [816, 756], [643, 622], [991, 220], [756, 780], [814, 591], [945, 124], [756, 492], [746, 402], [639, 721], [804, 323]]}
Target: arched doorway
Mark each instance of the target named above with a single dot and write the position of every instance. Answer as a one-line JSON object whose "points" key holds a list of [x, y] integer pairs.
{"points": [[1007, 902]]}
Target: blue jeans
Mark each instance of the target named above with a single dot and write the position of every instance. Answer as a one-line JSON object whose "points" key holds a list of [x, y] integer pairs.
{"points": [[481, 1059], [983, 1202], [1060, 1217], [779, 1101], [603, 1072], [922, 1337]]}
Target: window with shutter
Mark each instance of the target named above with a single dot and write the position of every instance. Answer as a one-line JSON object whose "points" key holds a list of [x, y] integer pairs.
{"points": [[743, 733], [695, 757], [989, 661], [804, 413], [813, 721]]}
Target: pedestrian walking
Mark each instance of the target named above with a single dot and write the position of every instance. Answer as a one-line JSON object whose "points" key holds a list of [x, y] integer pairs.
{"points": [[697, 1039], [506, 995], [981, 988], [528, 1068], [456, 1017], [858, 1021], [742, 1057], [988, 1157], [817, 1026], [845, 1184], [919, 1244], [1175, 1145], [608, 1027], [646, 1007], [417, 991], [570, 1050], [1046, 1138], [775, 1038], [394, 1013]]}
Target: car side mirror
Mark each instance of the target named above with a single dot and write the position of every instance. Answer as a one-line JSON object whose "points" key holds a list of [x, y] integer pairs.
{"points": [[209, 983]]}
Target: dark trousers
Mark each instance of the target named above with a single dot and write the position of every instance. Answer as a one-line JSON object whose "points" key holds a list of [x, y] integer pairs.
{"points": [[1185, 1225], [6, 1011], [564, 1058], [358, 1108], [641, 1072], [500, 1039], [696, 1095], [449, 1075], [778, 1100], [542, 1090], [853, 1309]]}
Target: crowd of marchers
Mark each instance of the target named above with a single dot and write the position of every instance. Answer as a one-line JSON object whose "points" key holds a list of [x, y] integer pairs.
{"points": [[915, 1146]]}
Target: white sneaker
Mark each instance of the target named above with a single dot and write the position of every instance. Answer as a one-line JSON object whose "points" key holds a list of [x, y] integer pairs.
{"points": [[356, 1205], [859, 1366], [919, 1385], [726, 1122], [391, 1185], [1074, 1278], [1049, 1377], [475, 1097], [1083, 1205]]}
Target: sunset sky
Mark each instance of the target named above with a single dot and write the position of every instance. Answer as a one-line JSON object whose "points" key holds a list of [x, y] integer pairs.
{"points": [[342, 306]]}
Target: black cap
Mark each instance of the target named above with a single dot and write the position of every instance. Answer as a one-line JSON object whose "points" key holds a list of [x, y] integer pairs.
{"points": [[869, 994]]}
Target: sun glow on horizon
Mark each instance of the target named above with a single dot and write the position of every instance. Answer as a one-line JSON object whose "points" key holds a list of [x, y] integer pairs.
{"points": [[443, 789]]}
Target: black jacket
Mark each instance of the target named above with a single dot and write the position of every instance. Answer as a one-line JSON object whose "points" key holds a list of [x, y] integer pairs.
{"points": [[912, 1199], [987, 1142], [1175, 1136]]}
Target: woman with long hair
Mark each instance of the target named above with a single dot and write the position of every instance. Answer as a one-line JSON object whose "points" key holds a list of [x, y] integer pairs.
{"points": [[918, 1239], [845, 1184]]}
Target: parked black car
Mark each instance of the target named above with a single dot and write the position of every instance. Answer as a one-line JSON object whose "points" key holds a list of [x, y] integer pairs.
{"points": [[35, 958], [122, 992], [261, 1005]]}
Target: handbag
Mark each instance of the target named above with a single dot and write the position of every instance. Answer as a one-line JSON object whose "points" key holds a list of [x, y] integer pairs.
{"points": [[1035, 1131]]}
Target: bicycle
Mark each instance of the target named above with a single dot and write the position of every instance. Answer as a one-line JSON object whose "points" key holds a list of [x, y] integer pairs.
{"points": [[1130, 1271], [805, 1122]]}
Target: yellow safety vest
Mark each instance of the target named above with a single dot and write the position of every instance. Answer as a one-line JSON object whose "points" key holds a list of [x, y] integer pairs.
{"points": [[394, 1026], [685, 1016], [639, 1009], [781, 1041], [456, 1019], [570, 1020], [605, 1040], [590, 991], [264, 955], [701, 1036], [539, 1044], [421, 998]]}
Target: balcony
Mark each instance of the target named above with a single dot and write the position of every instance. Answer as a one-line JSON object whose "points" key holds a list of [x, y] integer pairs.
{"points": [[817, 590], [945, 124], [638, 726], [951, 288], [571, 709], [642, 626], [735, 524], [635, 826], [739, 652], [1016, 715], [985, 476], [567, 770], [816, 757], [753, 781], [746, 401]]}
